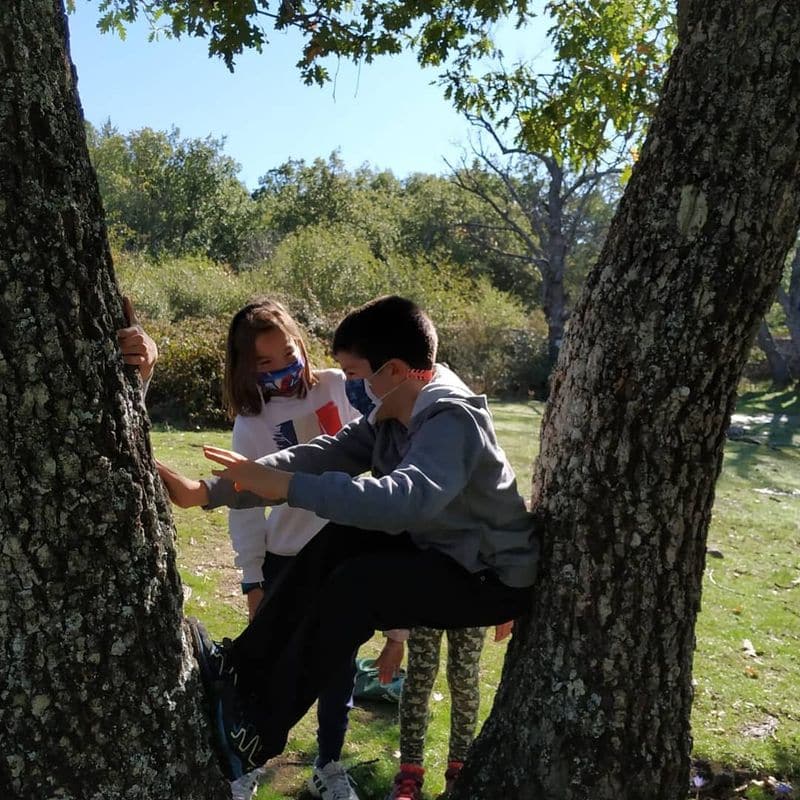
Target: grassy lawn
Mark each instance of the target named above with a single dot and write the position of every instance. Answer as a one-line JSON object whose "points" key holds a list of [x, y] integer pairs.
{"points": [[747, 670]]}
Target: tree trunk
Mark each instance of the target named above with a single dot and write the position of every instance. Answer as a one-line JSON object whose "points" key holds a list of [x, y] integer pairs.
{"points": [[99, 696], [554, 299], [778, 368], [791, 303], [554, 302], [596, 693]]}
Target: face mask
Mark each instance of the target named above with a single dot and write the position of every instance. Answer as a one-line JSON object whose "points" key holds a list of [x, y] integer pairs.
{"points": [[356, 391], [283, 381], [363, 398]]}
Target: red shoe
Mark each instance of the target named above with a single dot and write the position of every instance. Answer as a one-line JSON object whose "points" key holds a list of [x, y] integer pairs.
{"points": [[407, 783], [451, 776]]}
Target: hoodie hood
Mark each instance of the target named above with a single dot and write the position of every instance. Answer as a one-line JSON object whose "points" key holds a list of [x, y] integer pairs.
{"points": [[444, 387]]}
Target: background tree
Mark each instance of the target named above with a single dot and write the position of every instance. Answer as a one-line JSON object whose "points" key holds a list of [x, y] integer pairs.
{"points": [[552, 136], [778, 366], [789, 300], [172, 196], [540, 214]]}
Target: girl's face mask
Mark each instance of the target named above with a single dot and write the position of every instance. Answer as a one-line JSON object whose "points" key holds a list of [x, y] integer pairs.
{"points": [[283, 381]]}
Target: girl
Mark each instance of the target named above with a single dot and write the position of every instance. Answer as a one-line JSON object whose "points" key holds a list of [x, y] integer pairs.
{"points": [[464, 648], [277, 399]]}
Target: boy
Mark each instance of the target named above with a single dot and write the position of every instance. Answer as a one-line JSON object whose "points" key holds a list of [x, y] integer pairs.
{"points": [[437, 536]]}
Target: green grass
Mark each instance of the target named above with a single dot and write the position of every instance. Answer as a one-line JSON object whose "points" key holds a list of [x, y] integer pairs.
{"points": [[750, 593]]}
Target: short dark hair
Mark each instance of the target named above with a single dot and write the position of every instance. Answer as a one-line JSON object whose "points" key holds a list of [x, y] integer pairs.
{"points": [[385, 328]]}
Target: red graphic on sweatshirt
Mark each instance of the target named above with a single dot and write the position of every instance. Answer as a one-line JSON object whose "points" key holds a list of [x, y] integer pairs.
{"points": [[329, 420]]}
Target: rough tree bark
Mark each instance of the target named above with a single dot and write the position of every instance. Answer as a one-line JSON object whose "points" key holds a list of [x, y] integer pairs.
{"points": [[596, 693], [99, 696]]}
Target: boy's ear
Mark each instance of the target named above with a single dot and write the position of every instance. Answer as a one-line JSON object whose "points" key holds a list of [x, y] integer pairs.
{"points": [[399, 367]]}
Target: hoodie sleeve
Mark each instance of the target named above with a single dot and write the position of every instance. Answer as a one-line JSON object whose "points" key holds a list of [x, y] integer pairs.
{"points": [[443, 454], [349, 452]]}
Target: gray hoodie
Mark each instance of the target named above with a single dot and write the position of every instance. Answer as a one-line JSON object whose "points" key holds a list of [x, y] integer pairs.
{"points": [[444, 479]]}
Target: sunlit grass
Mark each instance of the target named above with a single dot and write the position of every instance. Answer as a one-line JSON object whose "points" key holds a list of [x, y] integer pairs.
{"points": [[751, 593]]}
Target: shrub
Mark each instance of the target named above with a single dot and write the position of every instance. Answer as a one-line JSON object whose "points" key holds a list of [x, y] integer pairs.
{"points": [[325, 269], [186, 389], [187, 383], [492, 344], [485, 334]]}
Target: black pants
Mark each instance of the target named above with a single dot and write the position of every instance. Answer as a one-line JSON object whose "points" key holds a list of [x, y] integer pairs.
{"points": [[335, 701], [340, 588]]}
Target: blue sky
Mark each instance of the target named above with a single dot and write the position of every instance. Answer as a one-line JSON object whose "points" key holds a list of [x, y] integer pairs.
{"points": [[386, 113]]}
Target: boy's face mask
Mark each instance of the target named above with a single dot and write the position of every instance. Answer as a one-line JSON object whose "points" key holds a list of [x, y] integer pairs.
{"points": [[356, 391], [362, 397], [283, 381]]}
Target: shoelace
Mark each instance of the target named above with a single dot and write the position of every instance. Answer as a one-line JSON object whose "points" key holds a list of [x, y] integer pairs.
{"points": [[342, 786]]}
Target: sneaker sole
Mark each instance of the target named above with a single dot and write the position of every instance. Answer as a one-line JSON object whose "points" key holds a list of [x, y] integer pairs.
{"points": [[225, 755]]}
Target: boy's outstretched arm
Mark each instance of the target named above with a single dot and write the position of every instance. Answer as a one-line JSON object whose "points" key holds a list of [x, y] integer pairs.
{"points": [[245, 483], [249, 476]]}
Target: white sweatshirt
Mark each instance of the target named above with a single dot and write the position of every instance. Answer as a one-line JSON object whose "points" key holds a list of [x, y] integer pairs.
{"points": [[283, 422]]}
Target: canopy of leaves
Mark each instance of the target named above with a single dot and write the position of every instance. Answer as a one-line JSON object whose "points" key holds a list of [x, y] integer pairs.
{"points": [[438, 30], [596, 94]]}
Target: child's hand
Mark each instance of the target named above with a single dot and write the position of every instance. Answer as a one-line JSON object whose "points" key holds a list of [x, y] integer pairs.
{"points": [[183, 491], [388, 662], [137, 347], [249, 476], [502, 631]]}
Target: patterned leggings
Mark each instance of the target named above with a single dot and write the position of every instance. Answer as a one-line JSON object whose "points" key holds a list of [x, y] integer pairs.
{"points": [[464, 647]]}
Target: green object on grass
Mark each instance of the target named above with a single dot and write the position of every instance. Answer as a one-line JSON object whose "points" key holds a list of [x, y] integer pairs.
{"points": [[368, 686]]}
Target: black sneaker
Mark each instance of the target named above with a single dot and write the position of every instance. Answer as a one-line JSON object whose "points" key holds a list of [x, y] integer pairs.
{"points": [[213, 658], [238, 742]]}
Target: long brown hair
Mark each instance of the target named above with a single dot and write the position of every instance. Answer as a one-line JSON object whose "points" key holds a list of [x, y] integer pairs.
{"points": [[242, 394]]}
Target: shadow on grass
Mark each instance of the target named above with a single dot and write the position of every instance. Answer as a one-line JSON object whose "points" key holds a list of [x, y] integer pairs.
{"points": [[784, 402], [745, 458], [787, 760]]}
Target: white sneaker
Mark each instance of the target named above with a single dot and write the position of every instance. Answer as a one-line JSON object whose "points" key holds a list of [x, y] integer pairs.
{"points": [[332, 782], [245, 787]]}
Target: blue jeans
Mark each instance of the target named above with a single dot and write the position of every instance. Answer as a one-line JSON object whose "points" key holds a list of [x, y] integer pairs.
{"points": [[336, 699]]}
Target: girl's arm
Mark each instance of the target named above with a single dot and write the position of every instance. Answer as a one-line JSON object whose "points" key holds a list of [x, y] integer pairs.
{"points": [[183, 491]]}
